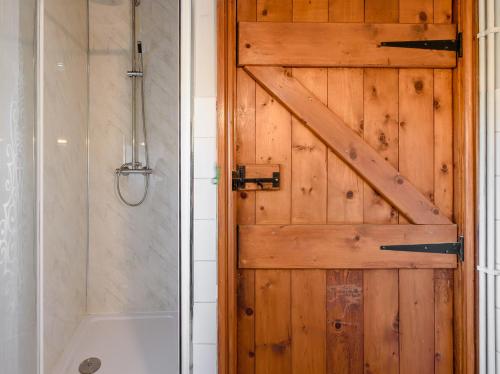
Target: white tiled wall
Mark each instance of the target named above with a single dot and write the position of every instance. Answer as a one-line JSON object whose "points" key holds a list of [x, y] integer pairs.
{"points": [[203, 358], [205, 190]]}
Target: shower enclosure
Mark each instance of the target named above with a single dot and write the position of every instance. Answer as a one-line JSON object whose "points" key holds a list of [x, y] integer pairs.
{"points": [[110, 203], [89, 186]]}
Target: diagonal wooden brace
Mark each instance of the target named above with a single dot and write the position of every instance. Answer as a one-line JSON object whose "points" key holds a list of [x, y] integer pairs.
{"points": [[344, 142]]}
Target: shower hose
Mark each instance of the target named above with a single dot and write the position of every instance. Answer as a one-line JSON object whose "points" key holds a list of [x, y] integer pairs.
{"points": [[130, 168]]}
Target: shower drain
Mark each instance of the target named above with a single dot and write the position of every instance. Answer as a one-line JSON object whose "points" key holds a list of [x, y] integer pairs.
{"points": [[89, 366]]}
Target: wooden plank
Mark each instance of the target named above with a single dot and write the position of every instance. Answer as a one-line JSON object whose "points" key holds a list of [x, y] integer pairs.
{"points": [[381, 321], [309, 196], [347, 145], [247, 10], [340, 45], [308, 321], [345, 205], [272, 322], [381, 132], [411, 11], [443, 197], [442, 11], [344, 322], [245, 154], [416, 129], [416, 325], [246, 322], [381, 287], [310, 10], [345, 187], [381, 11], [443, 315], [341, 246], [273, 134], [274, 10], [443, 141], [416, 287], [346, 11], [309, 177], [245, 141]]}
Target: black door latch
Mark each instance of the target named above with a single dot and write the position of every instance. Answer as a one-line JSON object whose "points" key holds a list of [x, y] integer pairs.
{"points": [[240, 180]]}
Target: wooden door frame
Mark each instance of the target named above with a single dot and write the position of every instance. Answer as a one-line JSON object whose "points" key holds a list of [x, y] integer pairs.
{"points": [[464, 142]]}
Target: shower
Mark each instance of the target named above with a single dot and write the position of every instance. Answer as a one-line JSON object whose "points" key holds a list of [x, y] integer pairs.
{"points": [[136, 74]]}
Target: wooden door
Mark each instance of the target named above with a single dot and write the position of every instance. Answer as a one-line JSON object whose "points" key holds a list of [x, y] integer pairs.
{"points": [[363, 138]]}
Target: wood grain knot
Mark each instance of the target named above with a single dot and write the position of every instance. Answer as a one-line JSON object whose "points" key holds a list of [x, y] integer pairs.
{"points": [[338, 325], [264, 12], [247, 45], [422, 16], [353, 154], [395, 323], [280, 347], [383, 139], [399, 180], [243, 195], [306, 191], [304, 147], [419, 86], [349, 195], [249, 311], [435, 211]]}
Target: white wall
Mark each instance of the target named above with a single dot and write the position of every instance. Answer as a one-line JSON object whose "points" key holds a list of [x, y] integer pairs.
{"points": [[17, 184], [133, 265], [489, 187], [64, 152], [205, 190]]}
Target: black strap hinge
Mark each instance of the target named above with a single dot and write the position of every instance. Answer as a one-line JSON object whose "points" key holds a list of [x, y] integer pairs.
{"points": [[437, 45], [455, 248]]}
